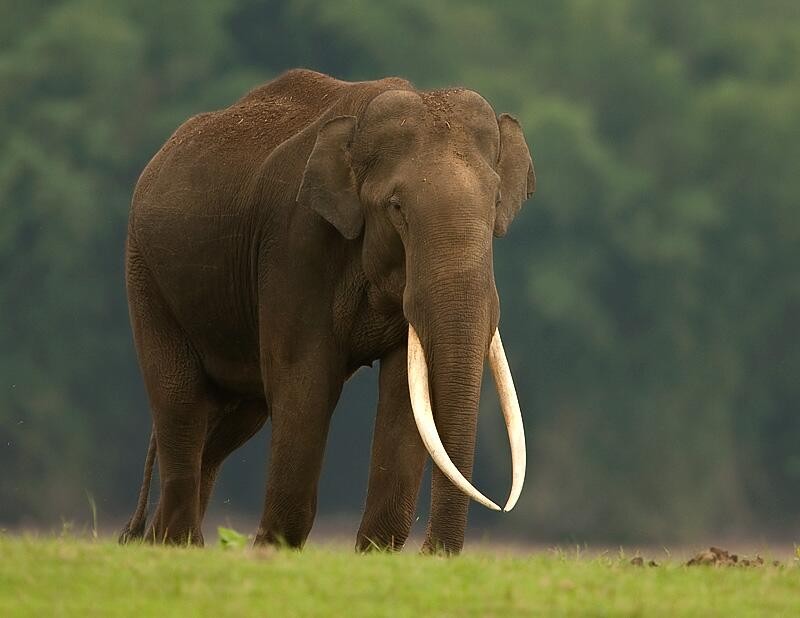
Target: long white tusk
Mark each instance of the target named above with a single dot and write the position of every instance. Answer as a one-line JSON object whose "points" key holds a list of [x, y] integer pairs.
{"points": [[423, 416], [513, 417]]}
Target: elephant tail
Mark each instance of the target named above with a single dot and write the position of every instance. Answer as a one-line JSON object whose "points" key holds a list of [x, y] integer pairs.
{"points": [[134, 529]]}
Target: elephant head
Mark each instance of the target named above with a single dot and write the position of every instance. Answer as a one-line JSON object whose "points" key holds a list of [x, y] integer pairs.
{"points": [[426, 180]]}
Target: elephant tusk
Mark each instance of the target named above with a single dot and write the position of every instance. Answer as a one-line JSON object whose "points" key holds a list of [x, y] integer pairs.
{"points": [[512, 415], [423, 417]]}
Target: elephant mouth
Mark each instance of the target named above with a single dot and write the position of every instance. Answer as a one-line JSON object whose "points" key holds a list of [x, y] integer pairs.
{"points": [[423, 416]]}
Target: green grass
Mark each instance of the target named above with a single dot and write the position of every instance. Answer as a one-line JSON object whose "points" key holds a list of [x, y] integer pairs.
{"points": [[70, 577]]}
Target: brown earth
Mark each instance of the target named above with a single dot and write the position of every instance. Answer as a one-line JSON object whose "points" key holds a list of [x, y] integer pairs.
{"points": [[714, 556]]}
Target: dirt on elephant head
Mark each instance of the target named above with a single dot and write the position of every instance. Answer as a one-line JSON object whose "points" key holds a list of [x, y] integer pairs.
{"points": [[438, 105]]}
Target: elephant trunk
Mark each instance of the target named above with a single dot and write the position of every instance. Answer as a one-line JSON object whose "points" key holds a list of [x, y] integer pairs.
{"points": [[454, 387], [452, 326]]}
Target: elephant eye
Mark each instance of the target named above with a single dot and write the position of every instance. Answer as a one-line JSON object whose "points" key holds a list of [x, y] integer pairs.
{"points": [[393, 202]]}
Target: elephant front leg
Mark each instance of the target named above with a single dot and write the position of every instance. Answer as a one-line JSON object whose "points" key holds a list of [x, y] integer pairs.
{"points": [[398, 459], [302, 403]]}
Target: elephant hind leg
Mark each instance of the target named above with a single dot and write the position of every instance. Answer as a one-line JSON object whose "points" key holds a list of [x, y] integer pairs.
{"points": [[231, 429], [180, 418], [134, 529], [182, 401]]}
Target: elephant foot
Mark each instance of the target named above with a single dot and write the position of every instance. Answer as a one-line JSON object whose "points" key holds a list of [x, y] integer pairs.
{"points": [[133, 531], [177, 517], [291, 540], [384, 533], [433, 547], [288, 529], [366, 545], [164, 536]]}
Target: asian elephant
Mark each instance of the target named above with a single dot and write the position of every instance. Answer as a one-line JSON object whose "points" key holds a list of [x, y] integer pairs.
{"points": [[277, 245]]}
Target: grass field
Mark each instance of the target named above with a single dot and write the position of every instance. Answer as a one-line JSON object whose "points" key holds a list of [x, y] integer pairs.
{"points": [[71, 577]]}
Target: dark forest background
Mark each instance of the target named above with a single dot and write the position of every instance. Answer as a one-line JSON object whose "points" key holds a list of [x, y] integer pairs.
{"points": [[650, 291]]}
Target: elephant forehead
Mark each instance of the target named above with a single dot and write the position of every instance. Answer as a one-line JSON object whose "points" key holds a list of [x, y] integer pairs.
{"points": [[393, 104], [457, 106], [402, 122], [392, 123], [435, 111]]}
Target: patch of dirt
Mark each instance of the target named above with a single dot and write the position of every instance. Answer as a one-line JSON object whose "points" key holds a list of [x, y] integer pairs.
{"points": [[261, 553], [714, 556]]}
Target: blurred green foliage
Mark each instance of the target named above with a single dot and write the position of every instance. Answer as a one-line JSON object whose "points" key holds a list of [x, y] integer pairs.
{"points": [[650, 291]]}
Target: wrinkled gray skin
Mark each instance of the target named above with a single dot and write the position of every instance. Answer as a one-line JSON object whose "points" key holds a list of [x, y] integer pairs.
{"points": [[277, 245]]}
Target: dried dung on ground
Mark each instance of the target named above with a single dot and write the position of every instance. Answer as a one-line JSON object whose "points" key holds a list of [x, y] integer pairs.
{"points": [[714, 556], [639, 561]]}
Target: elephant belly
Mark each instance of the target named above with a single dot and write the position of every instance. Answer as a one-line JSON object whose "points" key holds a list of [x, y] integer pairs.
{"points": [[239, 376]]}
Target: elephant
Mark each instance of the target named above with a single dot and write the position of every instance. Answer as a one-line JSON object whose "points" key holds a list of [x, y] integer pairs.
{"points": [[276, 246]]}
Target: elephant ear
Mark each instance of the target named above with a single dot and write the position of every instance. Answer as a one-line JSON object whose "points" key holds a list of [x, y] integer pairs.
{"points": [[329, 185], [515, 168]]}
